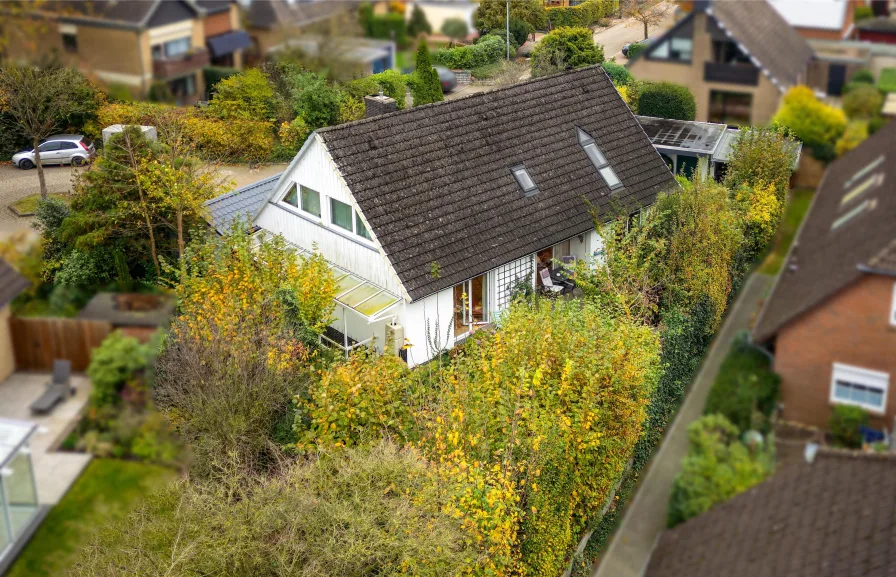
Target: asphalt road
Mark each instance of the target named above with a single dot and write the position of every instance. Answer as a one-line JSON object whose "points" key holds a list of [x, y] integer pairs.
{"points": [[622, 32]]}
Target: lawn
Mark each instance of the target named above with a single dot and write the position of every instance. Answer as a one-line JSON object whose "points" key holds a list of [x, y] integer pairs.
{"points": [[796, 209], [106, 491], [28, 204]]}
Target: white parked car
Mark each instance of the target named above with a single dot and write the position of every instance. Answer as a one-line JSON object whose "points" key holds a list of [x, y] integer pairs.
{"points": [[71, 149]]}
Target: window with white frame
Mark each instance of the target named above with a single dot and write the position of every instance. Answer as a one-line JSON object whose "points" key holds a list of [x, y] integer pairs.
{"points": [[345, 217], [598, 159], [860, 387], [311, 201]]}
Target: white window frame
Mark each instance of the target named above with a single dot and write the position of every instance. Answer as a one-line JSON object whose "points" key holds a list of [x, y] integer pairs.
{"points": [[893, 307], [859, 376]]}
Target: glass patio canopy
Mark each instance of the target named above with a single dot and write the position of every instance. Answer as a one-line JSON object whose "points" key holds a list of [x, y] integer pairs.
{"points": [[365, 298]]}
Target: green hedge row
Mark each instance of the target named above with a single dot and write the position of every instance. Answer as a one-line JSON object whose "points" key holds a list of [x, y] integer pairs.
{"points": [[584, 14], [488, 50]]}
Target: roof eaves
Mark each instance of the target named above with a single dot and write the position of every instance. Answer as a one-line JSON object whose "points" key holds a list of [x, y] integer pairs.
{"points": [[780, 86], [149, 14]]}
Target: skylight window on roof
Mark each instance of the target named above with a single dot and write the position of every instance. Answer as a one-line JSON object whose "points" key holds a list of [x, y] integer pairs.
{"points": [[872, 181], [524, 179], [864, 171], [859, 209], [598, 159]]}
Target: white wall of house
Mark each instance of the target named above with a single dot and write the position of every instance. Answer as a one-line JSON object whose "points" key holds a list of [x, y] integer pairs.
{"points": [[436, 309], [316, 170]]}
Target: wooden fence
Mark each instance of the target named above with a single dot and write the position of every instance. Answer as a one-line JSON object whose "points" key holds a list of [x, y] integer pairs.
{"points": [[38, 341]]}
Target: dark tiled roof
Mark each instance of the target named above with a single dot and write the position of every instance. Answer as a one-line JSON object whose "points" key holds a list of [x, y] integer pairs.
{"points": [[435, 184], [270, 13], [827, 259], [213, 6], [766, 35], [242, 202], [11, 283], [129, 14], [835, 517]]}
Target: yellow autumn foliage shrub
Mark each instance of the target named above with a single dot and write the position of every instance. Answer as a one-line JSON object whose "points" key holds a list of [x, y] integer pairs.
{"points": [[528, 429]]}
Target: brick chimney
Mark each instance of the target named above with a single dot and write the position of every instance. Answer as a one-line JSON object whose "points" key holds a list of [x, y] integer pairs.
{"points": [[379, 104]]}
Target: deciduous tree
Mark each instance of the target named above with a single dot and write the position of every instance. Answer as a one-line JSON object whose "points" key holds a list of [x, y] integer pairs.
{"points": [[647, 12], [454, 29]]}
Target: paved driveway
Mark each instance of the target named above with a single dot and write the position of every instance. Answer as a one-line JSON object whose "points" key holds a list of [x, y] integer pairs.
{"points": [[614, 37]]}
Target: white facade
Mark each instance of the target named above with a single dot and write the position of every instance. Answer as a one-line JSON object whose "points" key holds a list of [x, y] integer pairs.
{"points": [[430, 324]]}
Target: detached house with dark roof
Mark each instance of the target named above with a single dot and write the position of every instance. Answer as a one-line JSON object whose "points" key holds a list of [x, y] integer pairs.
{"points": [[831, 317], [430, 217], [736, 57]]}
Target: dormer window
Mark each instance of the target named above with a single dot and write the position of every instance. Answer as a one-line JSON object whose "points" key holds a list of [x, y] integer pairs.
{"points": [[524, 179], [598, 159]]}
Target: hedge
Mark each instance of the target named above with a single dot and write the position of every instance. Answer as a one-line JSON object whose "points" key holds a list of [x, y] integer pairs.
{"points": [[488, 50], [667, 100], [618, 73], [584, 14], [887, 80], [388, 26]]}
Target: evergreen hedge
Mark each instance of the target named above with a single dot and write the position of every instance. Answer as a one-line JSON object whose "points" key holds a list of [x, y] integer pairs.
{"points": [[488, 50], [618, 73], [667, 100], [585, 14]]}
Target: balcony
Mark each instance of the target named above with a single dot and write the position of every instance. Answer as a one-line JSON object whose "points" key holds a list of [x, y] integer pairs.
{"points": [[731, 73], [164, 68]]}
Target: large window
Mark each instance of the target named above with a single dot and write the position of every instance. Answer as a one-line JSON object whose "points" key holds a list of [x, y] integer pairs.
{"points": [[70, 43], [341, 214], [860, 387], [727, 52], [731, 108], [470, 304], [311, 201], [171, 49], [677, 46], [292, 197]]}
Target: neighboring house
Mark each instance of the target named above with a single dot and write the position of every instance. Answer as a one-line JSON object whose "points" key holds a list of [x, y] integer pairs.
{"points": [[432, 216], [880, 29], [835, 62], [684, 143], [801, 522], [271, 23], [737, 58], [819, 19], [12, 284], [354, 56], [135, 44], [831, 317]]}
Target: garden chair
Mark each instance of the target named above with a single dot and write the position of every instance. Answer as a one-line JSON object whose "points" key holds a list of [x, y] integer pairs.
{"points": [[57, 389], [548, 283]]}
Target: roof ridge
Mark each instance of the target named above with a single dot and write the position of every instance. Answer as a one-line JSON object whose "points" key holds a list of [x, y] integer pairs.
{"points": [[466, 99]]}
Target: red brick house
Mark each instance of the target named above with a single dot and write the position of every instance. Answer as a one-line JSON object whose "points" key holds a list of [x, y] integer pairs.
{"points": [[831, 317]]}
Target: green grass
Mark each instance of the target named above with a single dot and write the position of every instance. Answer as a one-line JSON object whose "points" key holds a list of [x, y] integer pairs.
{"points": [[794, 212], [28, 204], [487, 70], [105, 492], [887, 80]]}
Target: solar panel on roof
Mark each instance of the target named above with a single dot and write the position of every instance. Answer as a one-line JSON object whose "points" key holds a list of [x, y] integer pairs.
{"points": [[696, 136]]}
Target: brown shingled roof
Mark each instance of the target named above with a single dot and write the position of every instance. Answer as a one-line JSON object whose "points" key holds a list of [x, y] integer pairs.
{"points": [[843, 237], [778, 48], [435, 182], [835, 517]]}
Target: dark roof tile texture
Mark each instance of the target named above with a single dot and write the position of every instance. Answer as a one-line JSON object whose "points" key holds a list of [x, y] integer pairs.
{"points": [[835, 517], [768, 37], [435, 184], [825, 259], [11, 283], [244, 202]]}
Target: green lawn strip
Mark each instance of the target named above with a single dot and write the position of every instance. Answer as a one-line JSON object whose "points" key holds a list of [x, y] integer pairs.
{"points": [[106, 491], [28, 204], [794, 213], [887, 80]]}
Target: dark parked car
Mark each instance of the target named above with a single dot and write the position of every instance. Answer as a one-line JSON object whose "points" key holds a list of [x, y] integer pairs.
{"points": [[447, 78], [71, 149]]}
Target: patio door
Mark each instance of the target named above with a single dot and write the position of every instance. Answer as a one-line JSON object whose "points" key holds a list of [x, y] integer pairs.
{"points": [[470, 304]]}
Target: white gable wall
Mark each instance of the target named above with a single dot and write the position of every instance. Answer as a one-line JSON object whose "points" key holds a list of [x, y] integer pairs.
{"points": [[315, 169]]}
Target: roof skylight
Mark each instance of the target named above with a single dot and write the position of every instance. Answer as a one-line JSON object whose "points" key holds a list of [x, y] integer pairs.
{"points": [[859, 209], [864, 171], [872, 181], [524, 179], [598, 159]]}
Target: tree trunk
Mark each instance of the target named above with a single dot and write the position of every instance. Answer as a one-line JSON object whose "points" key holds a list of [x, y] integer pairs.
{"points": [[40, 170], [143, 205], [180, 233], [645, 30]]}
